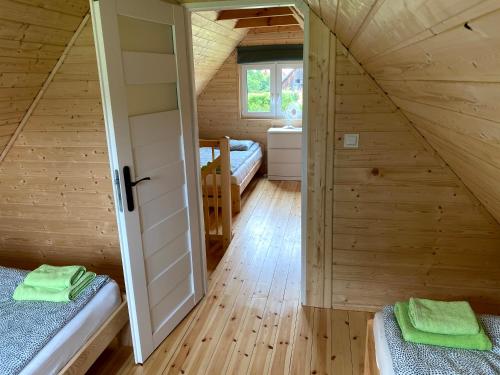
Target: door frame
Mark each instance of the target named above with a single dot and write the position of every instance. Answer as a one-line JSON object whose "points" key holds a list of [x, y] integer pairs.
{"points": [[304, 9]]}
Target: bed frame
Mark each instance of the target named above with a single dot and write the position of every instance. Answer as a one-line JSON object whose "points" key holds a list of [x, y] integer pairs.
{"points": [[218, 225], [371, 367], [237, 190], [88, 354], [217, 198]]}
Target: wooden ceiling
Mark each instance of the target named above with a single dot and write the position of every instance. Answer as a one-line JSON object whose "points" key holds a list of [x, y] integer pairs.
{"points": [[261, 17], [33, 34], [213, 42]]}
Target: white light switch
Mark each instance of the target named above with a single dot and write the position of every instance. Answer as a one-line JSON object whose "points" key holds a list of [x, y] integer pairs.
{"points": [[351, 140]]}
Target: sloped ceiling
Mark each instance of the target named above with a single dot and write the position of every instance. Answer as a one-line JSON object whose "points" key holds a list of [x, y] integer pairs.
{"points": [[439, 61], [33, 34], [213, 42]]}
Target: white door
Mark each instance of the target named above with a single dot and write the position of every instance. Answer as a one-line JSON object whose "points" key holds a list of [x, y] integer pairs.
{"points": [[147, 95]]}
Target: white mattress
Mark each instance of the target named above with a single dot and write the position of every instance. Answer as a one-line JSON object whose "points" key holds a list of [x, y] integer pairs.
{"points": [[239, 175], [63, 346], [382, 352]]}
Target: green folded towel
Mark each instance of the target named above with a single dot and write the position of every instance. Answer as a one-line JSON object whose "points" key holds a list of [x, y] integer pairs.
{"points": [[479, 341], [54, 277], [447, 318], [53, 284]]}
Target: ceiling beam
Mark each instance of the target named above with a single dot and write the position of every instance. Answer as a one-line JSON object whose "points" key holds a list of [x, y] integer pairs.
{"points": [[299, 17], [236, 14], [266, 22]]}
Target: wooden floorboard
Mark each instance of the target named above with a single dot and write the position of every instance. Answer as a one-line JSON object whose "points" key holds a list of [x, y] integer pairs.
{"points": [[251, 321]]}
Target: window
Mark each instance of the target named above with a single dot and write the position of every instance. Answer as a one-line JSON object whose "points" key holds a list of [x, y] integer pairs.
{"points": [[269, 89]]}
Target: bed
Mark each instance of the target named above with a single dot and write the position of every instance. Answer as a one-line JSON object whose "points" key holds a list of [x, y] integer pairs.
{"points": [[388, 354], [244, 165], [68, 346]]}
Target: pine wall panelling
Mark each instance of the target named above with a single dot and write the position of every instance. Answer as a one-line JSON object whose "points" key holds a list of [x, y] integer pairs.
{"points": [[318, 120], [404, 224], [56, 203], [33, 35], [452, 98]]}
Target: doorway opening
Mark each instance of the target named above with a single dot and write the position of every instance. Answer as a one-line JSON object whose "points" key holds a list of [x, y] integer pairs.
{"points": [[249, 79]]}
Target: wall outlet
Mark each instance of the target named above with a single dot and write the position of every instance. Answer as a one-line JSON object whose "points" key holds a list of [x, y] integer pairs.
{"points": [[351, 140]]}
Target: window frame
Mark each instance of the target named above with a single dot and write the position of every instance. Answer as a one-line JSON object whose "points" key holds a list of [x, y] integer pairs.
{"points": [[244, 92], [275, 87]]}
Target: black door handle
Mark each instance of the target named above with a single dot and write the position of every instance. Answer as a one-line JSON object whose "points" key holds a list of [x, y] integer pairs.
{"points": [[129, 184], [133, 183]]}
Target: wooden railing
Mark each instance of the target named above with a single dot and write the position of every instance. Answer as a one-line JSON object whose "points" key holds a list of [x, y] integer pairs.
{"points": [[216, 190]]}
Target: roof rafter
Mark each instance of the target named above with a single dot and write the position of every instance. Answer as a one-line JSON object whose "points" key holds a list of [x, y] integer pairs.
{"points": [[266, 22], [237, 14]]}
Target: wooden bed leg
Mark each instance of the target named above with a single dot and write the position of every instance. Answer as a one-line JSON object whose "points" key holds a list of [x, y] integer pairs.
{"points": [[235, 199], [371, 367]]}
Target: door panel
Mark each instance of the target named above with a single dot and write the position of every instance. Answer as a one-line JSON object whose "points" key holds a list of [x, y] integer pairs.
{"points": [[151, 98], [167, 230], [144, 68], [156, 128], [146, 158], [148, 110], [145, 36], [163, 180], [159, 260], [153, 212], [173, 307], [165, 283]]}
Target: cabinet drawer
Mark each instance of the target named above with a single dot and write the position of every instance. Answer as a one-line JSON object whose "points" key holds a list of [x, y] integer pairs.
{"points": [[284, 155], [284, 169], [287, 140]]}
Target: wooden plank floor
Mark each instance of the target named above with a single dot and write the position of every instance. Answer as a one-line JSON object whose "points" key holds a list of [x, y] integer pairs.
{"points": [[251, 321]]}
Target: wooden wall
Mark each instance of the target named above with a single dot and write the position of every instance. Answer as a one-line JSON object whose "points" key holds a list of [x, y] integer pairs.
{"points": [[404, 224], [33, 35], [390, 219], [56, 203], [448, 85], [219, 106], [438, 60], [213, 42], [320, 112]]}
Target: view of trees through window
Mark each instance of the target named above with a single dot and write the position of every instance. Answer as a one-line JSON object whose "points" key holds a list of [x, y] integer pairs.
{"points": [[260, 90]]}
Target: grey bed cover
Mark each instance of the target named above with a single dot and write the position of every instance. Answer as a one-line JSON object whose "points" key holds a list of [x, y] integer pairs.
{"points": [[237, 157], [417, 359], [26, 327]]}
